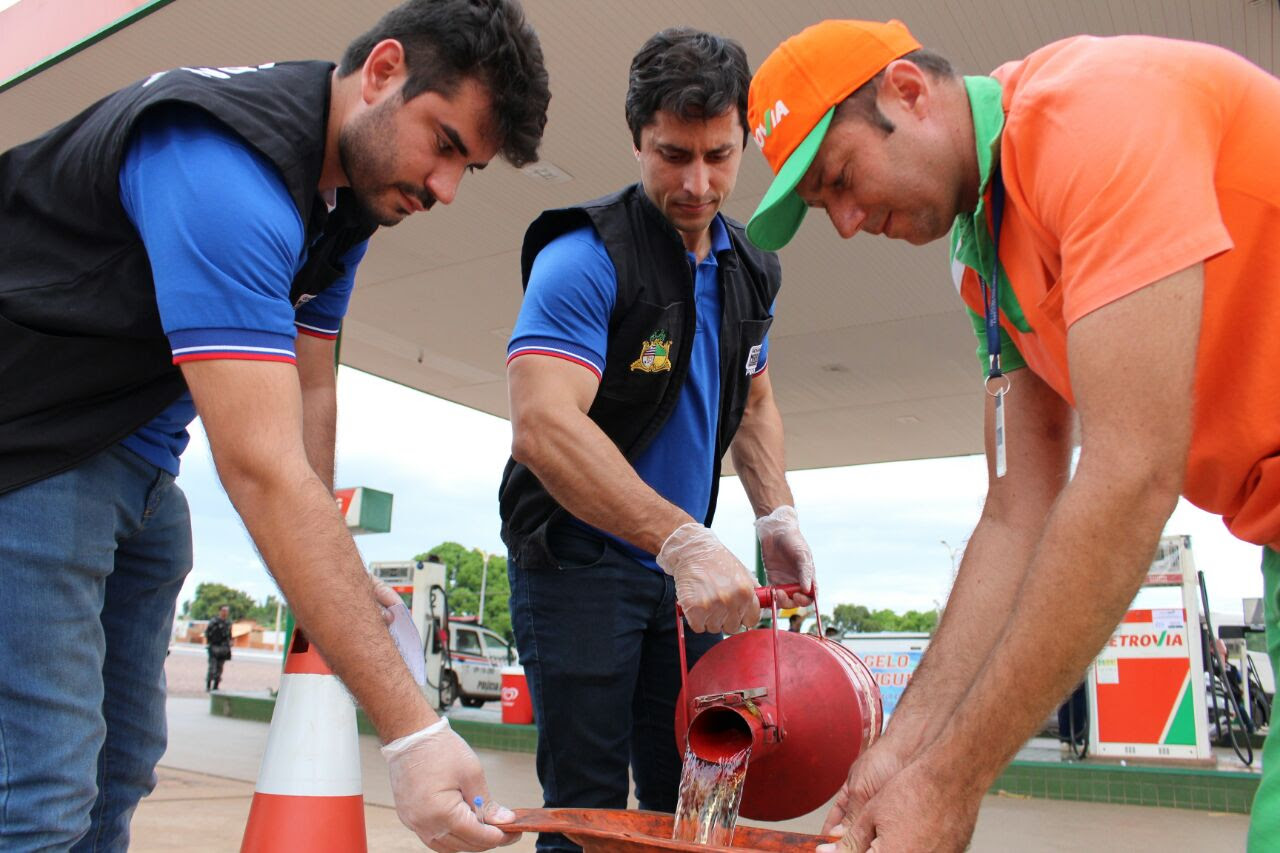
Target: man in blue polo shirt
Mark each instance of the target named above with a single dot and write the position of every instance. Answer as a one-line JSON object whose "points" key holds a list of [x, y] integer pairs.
{"points": [[638, 359], [188, 245]]}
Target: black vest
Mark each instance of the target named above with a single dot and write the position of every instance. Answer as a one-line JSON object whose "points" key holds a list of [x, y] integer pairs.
{"points": [[83, 359], [655, 295]]}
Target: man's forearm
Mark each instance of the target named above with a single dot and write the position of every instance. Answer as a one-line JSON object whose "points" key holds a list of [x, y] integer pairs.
{"points": [[1133, 367], [758, 455], [1100, 538], [297, 528], [996, 558], [318, 382], [587, 475], [319, 431], [995, 563]]}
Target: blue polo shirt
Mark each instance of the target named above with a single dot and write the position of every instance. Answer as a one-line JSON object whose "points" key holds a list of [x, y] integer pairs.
{"points": [[225, 241], [565, 314]]}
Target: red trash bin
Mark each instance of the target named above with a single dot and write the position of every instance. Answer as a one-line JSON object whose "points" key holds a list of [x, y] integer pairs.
{"points": [[517, 707]]}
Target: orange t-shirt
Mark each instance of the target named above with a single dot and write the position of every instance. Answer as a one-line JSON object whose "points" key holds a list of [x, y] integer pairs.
{"points": [[1126, 160]]}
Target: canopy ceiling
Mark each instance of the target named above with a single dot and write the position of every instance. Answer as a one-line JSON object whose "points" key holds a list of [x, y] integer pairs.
{"points": [[871, 355]]}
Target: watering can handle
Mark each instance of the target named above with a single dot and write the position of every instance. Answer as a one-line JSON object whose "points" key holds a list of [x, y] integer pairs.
{"points": [[767, 598], [763, 593]]}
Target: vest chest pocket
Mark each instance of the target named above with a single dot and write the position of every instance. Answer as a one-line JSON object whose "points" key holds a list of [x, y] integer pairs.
{"points": [[642, 352]]}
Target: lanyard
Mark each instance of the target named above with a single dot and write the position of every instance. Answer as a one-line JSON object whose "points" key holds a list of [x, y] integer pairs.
{"points": [[991, 305], [991, 287]]}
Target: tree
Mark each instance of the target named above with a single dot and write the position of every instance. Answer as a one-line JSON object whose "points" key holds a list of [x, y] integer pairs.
{"points": [[463, 570], [885, 619], [915, 620], [265, 613], [861, 620], [211, 596], [849, 617], [857, 618]]}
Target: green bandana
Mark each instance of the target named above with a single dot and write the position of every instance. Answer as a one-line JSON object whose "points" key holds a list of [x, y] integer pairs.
{"points": [[971, 242]]}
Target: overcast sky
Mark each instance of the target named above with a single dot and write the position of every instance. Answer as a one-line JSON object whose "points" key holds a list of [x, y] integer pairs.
{"points": [[877, 531]]}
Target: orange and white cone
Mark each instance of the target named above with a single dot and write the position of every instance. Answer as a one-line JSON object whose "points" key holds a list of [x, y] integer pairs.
{"points": [[309, 796]]}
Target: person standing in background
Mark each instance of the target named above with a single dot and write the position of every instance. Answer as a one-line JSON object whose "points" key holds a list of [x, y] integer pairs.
{"points": [[217, 637]]}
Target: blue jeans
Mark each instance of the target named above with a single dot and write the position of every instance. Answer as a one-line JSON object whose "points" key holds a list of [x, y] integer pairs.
{"points": [[91, 563], [597, 639]]}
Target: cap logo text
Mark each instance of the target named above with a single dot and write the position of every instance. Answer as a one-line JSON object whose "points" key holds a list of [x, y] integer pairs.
{"points": [[772, 118]]}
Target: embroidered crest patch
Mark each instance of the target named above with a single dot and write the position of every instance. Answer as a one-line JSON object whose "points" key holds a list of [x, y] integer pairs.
{"points": [[655, 354]]}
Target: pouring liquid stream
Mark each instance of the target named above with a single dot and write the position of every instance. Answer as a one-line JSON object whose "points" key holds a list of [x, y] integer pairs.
{"points": [[710, 794]]}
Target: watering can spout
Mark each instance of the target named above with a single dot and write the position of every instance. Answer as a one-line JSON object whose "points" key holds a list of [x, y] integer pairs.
{"points": [[724, 724]]}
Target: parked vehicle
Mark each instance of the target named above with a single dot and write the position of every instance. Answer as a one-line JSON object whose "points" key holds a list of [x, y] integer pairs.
{"points": [[476, 658], [469, 669]]}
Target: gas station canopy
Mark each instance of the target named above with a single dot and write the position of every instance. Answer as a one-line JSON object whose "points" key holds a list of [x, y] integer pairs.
{"points": [[871, 355]]}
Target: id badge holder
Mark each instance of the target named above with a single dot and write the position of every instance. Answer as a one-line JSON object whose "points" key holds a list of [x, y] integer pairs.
{"points": [[997, 386]]}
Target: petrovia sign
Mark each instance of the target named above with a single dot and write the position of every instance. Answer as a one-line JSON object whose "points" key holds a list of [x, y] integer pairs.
{"points": [[366, 510], [1146, 688]]}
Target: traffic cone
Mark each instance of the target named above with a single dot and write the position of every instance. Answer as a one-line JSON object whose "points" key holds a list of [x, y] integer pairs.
{"points": [[309, 796]]}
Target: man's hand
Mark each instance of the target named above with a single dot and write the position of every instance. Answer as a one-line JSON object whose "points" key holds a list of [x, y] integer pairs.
{"points": [[787, 557], [713, 588], [436, 780], [921, 809], [867, 777]]}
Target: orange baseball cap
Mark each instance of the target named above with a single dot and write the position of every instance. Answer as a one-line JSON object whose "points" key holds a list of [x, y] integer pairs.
{"points": [[793, 96]]}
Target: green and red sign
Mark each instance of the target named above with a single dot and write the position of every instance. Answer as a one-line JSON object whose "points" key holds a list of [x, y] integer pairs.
{"points": [[1144, 682], [366, 510]]}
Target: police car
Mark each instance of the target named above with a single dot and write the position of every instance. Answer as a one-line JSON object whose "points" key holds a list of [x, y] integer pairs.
{"points": [[476, 658]]}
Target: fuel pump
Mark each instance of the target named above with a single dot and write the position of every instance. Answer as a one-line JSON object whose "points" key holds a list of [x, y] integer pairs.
{"points": [[422, 585]]}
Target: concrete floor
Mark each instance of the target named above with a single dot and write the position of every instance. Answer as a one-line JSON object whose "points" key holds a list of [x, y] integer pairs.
{"points": [[207, 775]]}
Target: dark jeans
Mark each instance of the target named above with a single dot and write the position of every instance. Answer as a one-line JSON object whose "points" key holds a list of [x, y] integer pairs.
{"points": [[597, 640]]}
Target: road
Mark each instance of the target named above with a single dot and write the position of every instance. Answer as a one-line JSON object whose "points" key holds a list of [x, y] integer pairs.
{"points": [[248, 671]]}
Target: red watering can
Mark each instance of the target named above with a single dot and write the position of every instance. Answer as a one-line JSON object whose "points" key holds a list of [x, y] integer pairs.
{"points": [[807, 706]]}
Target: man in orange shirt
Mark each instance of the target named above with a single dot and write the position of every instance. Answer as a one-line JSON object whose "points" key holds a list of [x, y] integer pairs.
{"points": [[1125, 192]]}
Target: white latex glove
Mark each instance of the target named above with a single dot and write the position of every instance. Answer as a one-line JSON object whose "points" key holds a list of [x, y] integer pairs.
{"points": [[715, 590], [436, 779], [386, 598], [787, 558]]}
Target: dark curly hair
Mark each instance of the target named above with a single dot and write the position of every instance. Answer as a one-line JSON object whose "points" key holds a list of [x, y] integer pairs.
{"points": [[448, 41], [693, 74]]}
